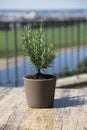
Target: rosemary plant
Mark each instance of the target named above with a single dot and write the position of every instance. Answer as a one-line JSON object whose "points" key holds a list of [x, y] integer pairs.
{"points": [[37, 48]]}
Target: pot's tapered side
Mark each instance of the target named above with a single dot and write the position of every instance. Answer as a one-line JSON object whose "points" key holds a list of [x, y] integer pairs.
{"points": [[40, 93]]}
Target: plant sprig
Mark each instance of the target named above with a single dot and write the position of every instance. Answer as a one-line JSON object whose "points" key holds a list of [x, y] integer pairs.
{"points": [[37, 48]]}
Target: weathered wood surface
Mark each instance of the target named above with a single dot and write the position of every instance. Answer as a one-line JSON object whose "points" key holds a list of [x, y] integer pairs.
{"points": [[69, 111]]}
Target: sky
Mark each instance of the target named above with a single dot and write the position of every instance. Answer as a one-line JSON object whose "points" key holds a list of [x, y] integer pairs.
{"points": [[43, 4]]}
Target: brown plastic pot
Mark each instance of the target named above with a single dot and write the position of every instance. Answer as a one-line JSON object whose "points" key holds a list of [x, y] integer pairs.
{"points": [[40, 92]]}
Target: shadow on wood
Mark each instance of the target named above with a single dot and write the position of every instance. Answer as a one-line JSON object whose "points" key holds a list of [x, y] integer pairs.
{"points": [[68, 101]]}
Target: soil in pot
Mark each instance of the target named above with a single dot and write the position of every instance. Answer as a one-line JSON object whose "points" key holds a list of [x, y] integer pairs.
{"points": [[40, 76]]}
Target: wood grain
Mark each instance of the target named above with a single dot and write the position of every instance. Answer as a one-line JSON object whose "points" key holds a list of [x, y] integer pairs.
{"points": [[68, 113]]}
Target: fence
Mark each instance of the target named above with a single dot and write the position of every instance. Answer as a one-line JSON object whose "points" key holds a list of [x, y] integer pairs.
{"points": [[70, 35]]}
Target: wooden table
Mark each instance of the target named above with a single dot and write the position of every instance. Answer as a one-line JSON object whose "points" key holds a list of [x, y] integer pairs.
{"points": [[69, 111]]}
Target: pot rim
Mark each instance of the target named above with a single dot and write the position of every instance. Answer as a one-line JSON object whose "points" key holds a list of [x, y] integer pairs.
{"points": [[39, 79]]}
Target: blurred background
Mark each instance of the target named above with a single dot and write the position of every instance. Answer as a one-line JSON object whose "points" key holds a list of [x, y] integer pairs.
{"points": [[66, 24]]}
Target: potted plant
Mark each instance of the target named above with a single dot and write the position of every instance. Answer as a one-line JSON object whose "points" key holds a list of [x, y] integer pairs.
{"points": [[39, 87]]}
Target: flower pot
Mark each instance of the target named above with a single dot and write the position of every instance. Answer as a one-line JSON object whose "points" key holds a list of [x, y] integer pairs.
{"points": [[40, 92]]}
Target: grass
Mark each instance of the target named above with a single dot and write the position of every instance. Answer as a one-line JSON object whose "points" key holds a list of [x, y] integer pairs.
{"points": [[63, 38], [10, 44]]}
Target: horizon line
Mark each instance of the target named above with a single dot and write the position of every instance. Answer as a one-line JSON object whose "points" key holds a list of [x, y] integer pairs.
{"points": [[45, 9]]}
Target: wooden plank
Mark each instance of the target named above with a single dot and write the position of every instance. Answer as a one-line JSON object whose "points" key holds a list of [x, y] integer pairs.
{"points": [[69, 111]]}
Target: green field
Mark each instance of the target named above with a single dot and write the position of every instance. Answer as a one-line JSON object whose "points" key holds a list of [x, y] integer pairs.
{"points": [[64, 37]]}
